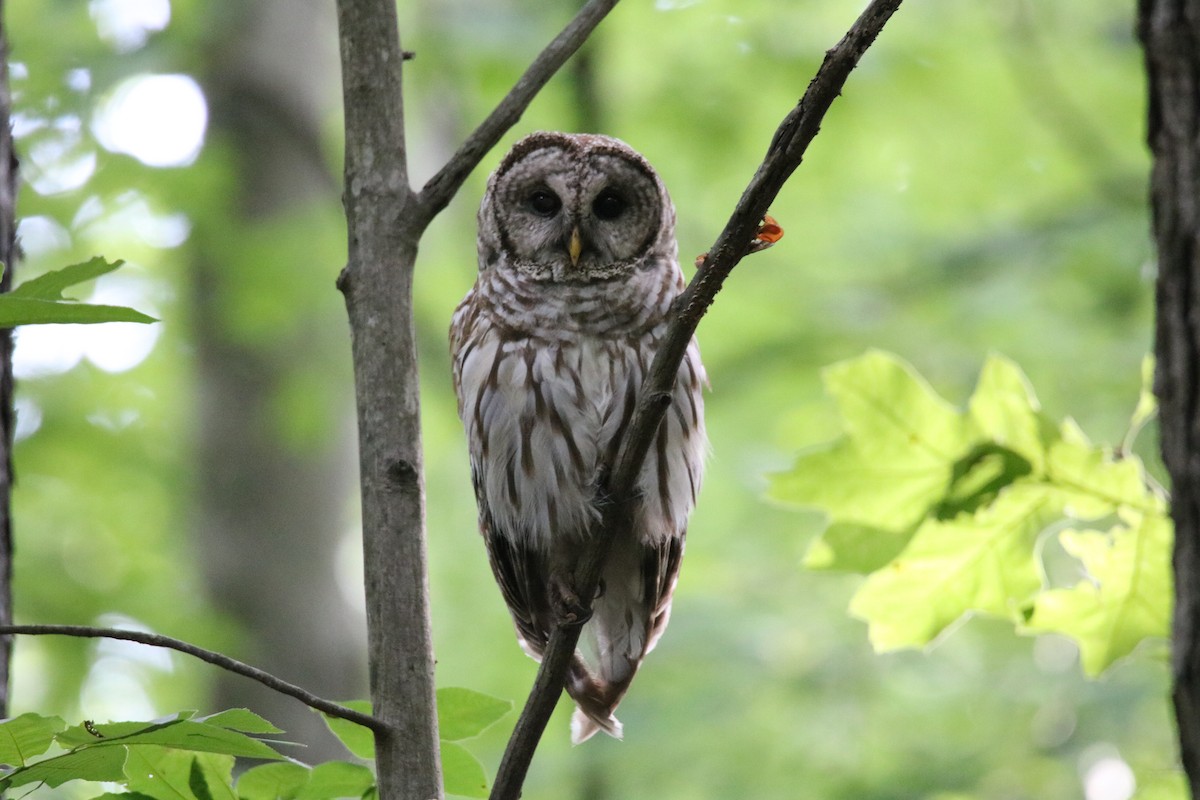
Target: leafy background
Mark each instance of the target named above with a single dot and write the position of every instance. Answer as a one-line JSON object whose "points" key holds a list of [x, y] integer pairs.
{"points": [[979, 188]]}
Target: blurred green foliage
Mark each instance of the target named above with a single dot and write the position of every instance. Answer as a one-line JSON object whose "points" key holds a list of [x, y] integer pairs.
{"points": [[980, 186]]}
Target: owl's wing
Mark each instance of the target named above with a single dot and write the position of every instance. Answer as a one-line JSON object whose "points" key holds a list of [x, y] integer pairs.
{"points": [[521, 573]]}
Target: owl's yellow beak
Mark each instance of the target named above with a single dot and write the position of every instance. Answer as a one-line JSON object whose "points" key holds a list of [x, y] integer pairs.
{"points": [[575, 246]]}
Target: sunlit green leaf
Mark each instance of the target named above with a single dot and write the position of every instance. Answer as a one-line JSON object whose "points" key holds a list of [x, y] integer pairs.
{"points": [[25, 736], [978, 477], [849, 547], [1095, 485], [358, 740], [891, 412], [849, 486], [973, 563], [1004, 410], [464, 713], [461, 772], [1126, 597], [1147, 404]]}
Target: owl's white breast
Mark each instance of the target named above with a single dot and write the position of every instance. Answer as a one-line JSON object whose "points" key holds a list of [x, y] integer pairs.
{"points": [[541, 411]]}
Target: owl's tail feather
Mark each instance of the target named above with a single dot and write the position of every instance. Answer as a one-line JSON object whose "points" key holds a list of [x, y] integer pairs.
{"points": [[595, 699]]}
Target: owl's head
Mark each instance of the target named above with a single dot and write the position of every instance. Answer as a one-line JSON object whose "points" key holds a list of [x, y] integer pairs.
{"points": [[575, 207]]}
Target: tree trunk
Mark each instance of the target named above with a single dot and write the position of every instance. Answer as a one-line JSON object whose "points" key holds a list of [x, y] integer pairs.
{"points": [[8, 254], [1170, 34]]}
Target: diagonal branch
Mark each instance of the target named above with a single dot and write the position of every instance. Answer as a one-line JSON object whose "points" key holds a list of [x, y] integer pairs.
{"points": [[618, 496], [217, 659], [443, 186]]}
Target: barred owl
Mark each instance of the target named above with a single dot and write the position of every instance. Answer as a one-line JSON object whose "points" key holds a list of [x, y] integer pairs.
{"points": [[577, 272]]}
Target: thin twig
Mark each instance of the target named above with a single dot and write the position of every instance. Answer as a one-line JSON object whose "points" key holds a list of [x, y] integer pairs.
{"points": [[442, 186], [783, 156], [217, 659]]}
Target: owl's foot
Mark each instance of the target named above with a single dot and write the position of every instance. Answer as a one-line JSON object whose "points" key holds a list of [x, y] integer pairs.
{"points": [[565, 603]]}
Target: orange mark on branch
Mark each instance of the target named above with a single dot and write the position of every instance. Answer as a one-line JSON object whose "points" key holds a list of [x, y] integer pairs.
{"points": [[769, 231]]}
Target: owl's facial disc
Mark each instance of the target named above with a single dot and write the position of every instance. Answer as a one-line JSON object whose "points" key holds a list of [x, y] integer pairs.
{"points": [[570, 216]]}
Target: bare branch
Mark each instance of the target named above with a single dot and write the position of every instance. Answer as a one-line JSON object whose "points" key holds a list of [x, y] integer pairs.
{"points": [[617, 498], [216, 659], [442, 186]]}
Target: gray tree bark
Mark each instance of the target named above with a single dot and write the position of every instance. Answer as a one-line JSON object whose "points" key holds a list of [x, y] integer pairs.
{"points": [[1170, 34], [269, 515]]}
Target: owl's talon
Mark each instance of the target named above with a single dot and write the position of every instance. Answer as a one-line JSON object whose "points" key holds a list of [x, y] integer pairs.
{"points": [[564, 601]]}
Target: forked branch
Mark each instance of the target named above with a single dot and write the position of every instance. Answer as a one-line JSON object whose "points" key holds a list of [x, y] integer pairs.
{"points": [[617, 498]]}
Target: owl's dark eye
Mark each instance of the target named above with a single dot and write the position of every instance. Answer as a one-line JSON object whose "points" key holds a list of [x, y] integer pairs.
{"points": [[544, 202], [608, 205]]}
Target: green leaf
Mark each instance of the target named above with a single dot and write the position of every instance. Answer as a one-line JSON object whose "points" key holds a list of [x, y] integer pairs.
{"points": [[973, 563], [358, 740], [461, 772], [1095, 485], [281, 780], [1126, 598], [898, 455], [464, 713], [978, 477], [1147, 404], [1004, 410], [183, 734], [240, 719], [162, 772], [16, 311], [198, 736], [92, 764], [848, 547], [890, 411], [40, 301], [849, 486], [337, 779], [50, 285], [123, 796], [88, 733], [25, 736], [212, 773]]}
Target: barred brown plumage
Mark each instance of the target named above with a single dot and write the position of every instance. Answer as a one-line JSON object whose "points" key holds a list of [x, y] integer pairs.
{"points": [[577, 272]]}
